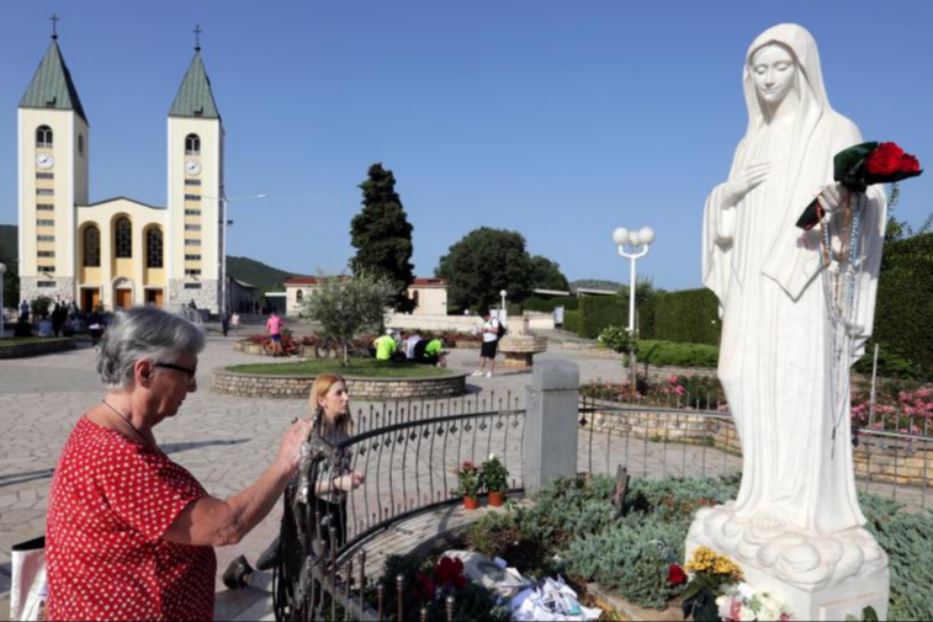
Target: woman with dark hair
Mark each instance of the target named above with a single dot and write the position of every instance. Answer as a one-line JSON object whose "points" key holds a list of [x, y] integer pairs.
{"points": [[130, 534]]}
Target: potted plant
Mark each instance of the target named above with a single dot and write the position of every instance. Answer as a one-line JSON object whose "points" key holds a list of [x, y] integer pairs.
{"points": [[468, 484], [494, 478]]}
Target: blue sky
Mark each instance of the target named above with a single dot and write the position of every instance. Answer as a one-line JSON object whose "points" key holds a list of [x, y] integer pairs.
{"points": [[561, 120]]}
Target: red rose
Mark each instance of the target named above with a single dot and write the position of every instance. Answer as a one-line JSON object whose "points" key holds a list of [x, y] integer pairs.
{"points": [[676, 575], [885, 159], [909, 164]]}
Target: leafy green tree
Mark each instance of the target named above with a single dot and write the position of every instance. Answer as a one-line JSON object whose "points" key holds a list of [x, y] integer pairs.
{"points": [[381, 234], [483, 262], [344, 307], [546, 274]]}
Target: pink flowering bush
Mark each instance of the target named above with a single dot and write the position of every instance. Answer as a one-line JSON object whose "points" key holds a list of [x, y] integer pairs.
{"points": [[903, 410]]}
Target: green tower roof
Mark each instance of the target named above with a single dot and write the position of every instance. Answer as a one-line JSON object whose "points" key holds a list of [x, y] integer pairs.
{"points": [[51, 85], [194, 98]]}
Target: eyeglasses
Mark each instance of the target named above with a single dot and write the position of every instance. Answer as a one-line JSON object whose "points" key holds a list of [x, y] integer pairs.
{"points": [[187, 370]]}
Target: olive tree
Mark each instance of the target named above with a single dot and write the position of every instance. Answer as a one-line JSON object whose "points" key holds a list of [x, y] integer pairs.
{"points": [[345, 306]]}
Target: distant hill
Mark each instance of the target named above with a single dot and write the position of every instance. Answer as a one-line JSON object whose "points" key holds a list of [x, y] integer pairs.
{"points": [[265, 278], [8, 243], [595, 284]]}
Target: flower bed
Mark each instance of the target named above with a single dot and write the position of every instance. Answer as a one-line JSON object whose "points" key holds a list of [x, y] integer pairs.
{"points": [[576, 529], [256, 384], [33, 346]]}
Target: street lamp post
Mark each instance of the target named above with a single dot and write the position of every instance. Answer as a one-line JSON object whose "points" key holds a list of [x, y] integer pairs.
{"points": [[633, 239], [224, 201], [2, 311], [502, 294]]}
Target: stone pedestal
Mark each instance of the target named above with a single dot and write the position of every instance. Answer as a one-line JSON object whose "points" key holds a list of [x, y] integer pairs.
{"points": [[520, 349], [824, 577]]}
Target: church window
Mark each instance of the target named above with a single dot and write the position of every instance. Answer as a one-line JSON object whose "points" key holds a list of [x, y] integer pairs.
{"points": [[192, 242], [46, 284], [44, 222], [123, 237], [44, 192], [299, 295], [192, 258], [91, 243], [192, 197], [192, 227], [193, 272], [46, 253], [154, 248], [192, 182], [47, 269], [45, 207], [192, 144], [192, 286], [45, 238], [80, 144], [43, 136], [192, 212], [45, 175]]}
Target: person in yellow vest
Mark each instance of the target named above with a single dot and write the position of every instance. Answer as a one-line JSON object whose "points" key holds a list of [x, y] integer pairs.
{"points": [[385, 346]]}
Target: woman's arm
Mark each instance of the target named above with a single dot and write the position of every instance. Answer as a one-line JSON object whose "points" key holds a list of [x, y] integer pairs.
{"points": [[210, 521]]}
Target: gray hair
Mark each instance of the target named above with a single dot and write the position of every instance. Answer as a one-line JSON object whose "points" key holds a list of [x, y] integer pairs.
{"points": [[143, 333]]}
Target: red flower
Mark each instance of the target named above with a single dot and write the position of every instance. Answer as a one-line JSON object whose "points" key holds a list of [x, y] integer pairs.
{"points": [[885, 159], [676, 575], [909, 164], [424, 587], [449, 571]]}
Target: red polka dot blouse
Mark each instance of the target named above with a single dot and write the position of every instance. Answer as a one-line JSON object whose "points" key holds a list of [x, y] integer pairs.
{"points": [[110, 503]]}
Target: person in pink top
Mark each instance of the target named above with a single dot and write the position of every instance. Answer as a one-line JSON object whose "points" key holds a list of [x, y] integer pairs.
{"points": [[274, 327]]}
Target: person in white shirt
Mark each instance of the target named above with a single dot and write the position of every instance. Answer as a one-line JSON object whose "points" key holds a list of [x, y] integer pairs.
{"points": [[490, 333], [410, 344]]}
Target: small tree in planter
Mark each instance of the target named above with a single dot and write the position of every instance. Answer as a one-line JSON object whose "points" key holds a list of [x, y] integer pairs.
{"points": [[468, 484], [345, 307], [494, 478]]}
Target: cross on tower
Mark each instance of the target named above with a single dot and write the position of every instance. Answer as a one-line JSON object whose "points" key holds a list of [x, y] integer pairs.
{"points": [[197, 37], [54, 19]]}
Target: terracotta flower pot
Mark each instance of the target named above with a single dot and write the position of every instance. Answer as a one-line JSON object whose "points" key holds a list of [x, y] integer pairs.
{"points": [[496, 498], [470, 503]]}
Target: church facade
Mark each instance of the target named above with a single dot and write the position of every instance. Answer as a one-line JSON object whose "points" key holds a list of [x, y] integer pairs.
{"points": [[118, 252]]}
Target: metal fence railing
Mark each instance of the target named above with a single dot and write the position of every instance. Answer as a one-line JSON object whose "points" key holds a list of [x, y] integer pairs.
{"points": [[408, 454], [653, 441]]}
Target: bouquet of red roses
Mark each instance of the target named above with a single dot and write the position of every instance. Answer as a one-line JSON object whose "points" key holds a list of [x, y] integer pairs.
{"points": [[860, 166]]}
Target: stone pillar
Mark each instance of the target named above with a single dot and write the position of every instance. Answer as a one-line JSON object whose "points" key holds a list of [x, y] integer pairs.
{"points": [[551, 402]]}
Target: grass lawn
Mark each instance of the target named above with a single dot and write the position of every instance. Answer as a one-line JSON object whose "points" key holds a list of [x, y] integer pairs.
{"points": [[369, 368], [18, 341]]}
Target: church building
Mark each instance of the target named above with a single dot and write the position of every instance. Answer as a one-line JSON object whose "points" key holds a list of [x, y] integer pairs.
{"points": [[118, 252]]}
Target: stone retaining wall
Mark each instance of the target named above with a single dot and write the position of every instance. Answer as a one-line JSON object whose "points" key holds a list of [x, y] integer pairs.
{"points": [[37, 347], [878, 459], [253, 385]]}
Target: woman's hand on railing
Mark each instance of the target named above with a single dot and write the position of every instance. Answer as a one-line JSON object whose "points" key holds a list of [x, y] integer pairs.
{"points": [[349, 482]]}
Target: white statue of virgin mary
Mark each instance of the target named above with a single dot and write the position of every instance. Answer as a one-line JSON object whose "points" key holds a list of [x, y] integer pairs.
{"points": [[784, 359]]}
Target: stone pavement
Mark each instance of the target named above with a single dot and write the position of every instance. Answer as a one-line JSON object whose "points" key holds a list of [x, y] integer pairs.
{"points": [[227, 441]]}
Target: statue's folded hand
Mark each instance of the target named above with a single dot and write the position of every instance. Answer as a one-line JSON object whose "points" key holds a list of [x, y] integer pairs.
{"points": [[831, 197], [745, 181]]}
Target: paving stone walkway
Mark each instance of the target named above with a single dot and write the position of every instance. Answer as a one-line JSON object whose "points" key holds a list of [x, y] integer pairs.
{"points": [[227, 441]]}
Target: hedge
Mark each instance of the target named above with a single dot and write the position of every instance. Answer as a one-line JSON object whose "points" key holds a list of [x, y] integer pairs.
{"points": [[688, 316], [598, 312], [904, 307], [536, 303], [572, 321]]}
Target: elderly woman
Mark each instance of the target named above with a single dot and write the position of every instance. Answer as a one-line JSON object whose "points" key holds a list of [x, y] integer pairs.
{"points": [[130, 533]]}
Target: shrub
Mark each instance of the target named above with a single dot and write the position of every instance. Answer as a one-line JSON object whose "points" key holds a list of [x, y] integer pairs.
{"points": [[616, 338]]}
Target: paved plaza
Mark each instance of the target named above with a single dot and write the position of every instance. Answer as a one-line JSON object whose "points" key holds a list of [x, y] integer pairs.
{"points": [[226, 442]]}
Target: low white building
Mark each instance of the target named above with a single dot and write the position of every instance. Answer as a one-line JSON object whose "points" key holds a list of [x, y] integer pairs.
{"points": [[430, 294]]}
